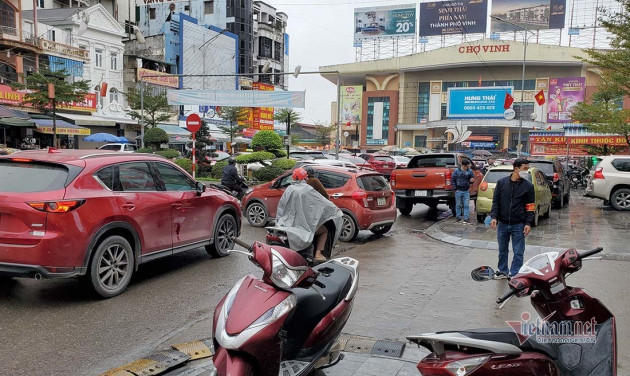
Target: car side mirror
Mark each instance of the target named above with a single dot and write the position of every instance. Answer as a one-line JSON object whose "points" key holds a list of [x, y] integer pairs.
{"points": [[200, 188]]}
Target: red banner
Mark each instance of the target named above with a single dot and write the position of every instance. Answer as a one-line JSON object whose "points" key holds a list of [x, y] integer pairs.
{"points": [[263, 116], [579, 140], [15, 98]]}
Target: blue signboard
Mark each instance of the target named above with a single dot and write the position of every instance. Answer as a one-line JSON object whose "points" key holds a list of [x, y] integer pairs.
{"points": [[478, 102], [453, 17]]}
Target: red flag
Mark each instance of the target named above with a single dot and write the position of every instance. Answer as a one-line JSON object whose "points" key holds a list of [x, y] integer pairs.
{"points": [[508, 101], [479, 80], [348, 123], [540, 98]]}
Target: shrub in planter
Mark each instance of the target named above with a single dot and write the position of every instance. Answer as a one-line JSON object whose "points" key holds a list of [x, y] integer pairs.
{"points": [[267, 140], [284, 164], [267, 173], [154, 137], [217, 170], [144, 150], [254, 157], [185, 163], [279, 153], [168, 153]]}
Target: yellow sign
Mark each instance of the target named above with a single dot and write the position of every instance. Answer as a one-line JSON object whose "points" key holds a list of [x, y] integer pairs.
{"points": [[162, 79], [63, 130]]}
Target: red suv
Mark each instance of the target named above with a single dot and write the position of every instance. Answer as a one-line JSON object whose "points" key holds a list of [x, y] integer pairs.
{"points": [[100, 214], [382, 163], [364, 197]]}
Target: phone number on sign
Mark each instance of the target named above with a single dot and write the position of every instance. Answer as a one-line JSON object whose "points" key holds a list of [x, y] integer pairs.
{"points": [[478, 108]]}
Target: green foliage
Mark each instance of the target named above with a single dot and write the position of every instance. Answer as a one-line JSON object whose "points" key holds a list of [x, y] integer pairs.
{"points": [[257, 156], [185, 163], [144, 150], [156, 107], [324, 134], [288, 116], [267, 140], [168, 153], [217, 169], [267, 173], [154, 137], [65, 92], [284, 164], [238, 117], [279, 153]]}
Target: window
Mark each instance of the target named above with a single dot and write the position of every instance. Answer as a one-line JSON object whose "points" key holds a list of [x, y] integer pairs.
{"points": [[106, 176], [373, 183], [332, 180], [384, 158], [135, 177], [621, 164], [98, 58], [264, 47], [31, 177], [40, 4], [540, 179], [113, 95], [423, 100], [277, 51], [187, 8], [51, 35], [285, 181], [130, 148], [493, 176], [152, 13], [113, 64], [7, 18], [420, 141], [433, 161], [384, 117], [174, 179]]}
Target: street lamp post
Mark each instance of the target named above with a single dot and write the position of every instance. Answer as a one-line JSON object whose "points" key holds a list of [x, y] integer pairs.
{"points": [[519, 147]]}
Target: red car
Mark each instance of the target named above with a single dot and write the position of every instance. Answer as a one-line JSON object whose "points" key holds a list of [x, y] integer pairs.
{"points": [[364, 197], [382, 163], [100, 214]]}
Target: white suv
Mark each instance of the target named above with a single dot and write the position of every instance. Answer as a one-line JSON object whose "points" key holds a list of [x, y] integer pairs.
{"points": [[125, 148], [611, 181]]}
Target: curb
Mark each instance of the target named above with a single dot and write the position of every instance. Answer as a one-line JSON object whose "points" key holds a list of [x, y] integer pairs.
{"points": [[434, 232]]}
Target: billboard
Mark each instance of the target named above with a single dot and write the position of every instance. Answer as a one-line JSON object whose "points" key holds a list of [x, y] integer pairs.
{"points": [[351, 101], [564, 93], [262, 116], [530, 14], [385, 21], [237, 98], [453, 17], [478, 102]]}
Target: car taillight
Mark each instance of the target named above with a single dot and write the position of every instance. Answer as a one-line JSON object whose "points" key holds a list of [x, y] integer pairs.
{"points": [[361, 198], [447, 176], [555, 177], [56, 206], [460, 367], [599, 173], [483, 187], [392, 180], [24, 160]]}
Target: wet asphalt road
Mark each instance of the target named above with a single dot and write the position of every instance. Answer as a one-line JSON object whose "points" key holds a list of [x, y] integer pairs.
{"points": [[55, 327]]}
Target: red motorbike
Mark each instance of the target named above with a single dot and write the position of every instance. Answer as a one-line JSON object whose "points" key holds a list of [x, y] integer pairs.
{"points": [[288, 322], [576, 334]]}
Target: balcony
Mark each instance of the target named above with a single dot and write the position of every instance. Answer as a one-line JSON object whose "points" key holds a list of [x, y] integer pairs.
{"points": [[19, 40], [63, 50]]}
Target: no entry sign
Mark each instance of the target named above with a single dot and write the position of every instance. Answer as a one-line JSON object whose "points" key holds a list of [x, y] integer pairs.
{"points": [[193, 123]]}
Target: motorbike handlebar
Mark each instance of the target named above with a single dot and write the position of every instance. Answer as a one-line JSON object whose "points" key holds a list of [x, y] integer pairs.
{"points": [[506, 296], [590, 253], [242, 243]]}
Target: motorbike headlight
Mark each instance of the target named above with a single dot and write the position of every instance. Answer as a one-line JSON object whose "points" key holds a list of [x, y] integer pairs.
{"points": [[281, 275], [276, 312], [231, 296]]}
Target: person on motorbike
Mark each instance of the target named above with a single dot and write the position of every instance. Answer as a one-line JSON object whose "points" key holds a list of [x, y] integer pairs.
{"points": [[315, 183], [231, 178]]}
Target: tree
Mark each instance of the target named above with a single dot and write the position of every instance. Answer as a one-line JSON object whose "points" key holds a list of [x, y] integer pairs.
{"points": [[156, 107], [286, 114], [37, 95], [237, 116], [202, 153], [154, 137], [604, 115], [267, 141], [324, 134]]}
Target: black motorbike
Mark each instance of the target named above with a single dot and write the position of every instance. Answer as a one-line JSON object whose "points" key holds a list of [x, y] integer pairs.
{"points": [[578, 176], [234, 193]]}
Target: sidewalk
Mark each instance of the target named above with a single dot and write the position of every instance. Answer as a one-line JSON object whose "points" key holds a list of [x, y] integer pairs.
{"points": [[585, 224]]}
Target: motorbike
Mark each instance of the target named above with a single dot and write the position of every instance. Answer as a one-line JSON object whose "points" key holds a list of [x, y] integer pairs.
{"points": [[233, 193], [578, 176], [277, 235], [576, 335], [289, 321]]}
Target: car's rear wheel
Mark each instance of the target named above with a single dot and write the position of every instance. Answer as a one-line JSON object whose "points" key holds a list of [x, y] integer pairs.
{"points": [[111, 266], [559, 202], [620, 199], [224, 234], [536, 213], [349, 229], [404, 206], [380, 230], [548, 212], [567, 197], [256, 214]]}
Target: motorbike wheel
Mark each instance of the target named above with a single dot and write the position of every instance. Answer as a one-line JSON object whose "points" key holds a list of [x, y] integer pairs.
{"points": [[224, 234], [380, 230], [256, 214], [349, 229]]}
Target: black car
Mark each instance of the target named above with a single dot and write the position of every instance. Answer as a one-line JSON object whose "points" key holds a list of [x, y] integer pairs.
{"points": [[559, 177]]}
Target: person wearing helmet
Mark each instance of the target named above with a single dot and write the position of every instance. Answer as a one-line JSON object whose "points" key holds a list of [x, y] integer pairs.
{"points": [[230, 177], [315, 183]]}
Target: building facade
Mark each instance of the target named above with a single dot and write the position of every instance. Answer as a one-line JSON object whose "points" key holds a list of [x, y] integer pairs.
{"points": [[270, 44]]}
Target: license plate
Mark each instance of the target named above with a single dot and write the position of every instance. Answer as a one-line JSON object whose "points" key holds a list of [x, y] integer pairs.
{"points": [[421, 193], [381, 201]]}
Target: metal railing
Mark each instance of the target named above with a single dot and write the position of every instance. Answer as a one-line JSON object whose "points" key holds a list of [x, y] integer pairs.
{"points": [[16, 35]]}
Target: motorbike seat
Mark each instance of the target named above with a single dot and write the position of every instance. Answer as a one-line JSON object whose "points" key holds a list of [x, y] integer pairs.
{"points": [[507, 335]]}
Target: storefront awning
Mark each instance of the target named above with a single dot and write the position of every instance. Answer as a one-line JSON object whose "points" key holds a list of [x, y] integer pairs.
{"points": [[88, 120], [15, 122], [63, 127], [6, 112], [174, 130]]}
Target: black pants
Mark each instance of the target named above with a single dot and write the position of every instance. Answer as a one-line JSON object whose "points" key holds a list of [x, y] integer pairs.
{"points": [[236, 187]]}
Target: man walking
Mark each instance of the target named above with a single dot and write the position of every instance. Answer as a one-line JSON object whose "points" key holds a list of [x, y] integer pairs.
{"points": [[460, 180], [513, 210]]}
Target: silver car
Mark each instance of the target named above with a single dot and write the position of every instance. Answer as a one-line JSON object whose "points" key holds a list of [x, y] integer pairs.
{"points": [[610, 181]]}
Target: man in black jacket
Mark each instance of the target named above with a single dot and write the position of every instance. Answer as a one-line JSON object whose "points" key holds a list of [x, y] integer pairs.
{"points": [[513, 210], [230, 177]]}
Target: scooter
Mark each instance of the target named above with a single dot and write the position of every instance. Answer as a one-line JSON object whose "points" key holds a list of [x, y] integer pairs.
{"points": [[288, 322], [577, 335], [277, 235], [229, 191]]}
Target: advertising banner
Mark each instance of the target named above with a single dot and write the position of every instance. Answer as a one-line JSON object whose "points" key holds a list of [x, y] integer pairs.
{"points": [[385, 21], [453, 17], [351, 101], [564, 94], [262, 116], [478, 102], [164, 79], [530, 14], [238, 98], [557, 145], [15, 98]]}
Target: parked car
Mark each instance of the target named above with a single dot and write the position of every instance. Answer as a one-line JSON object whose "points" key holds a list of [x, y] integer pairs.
{"points": [[536, 177], [326, 162], [382, 163], [364, 197], [359, 162], [555, 173], [125, 148], [97, 214], [610, 181], [427, 180], [308, 154], [401, 161]]}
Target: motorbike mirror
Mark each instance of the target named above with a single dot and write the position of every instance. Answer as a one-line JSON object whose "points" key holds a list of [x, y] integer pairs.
{"points": [[482, 273]]}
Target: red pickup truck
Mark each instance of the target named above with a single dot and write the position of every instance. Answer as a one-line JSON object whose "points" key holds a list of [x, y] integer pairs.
{"points": [[427, 180]]}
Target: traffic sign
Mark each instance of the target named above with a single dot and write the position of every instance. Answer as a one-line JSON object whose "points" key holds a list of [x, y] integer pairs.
{"points": [[193, 123]]}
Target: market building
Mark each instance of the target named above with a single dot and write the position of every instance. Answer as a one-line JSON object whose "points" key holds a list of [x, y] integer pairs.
{"points": [[411, 101]]}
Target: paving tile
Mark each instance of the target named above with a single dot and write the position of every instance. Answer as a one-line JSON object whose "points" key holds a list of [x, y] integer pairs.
{"points": [[479, 244]]}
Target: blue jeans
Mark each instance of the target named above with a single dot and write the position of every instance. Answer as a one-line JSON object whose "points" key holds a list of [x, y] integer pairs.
{"points": [[504, 232], [462, 201]]}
